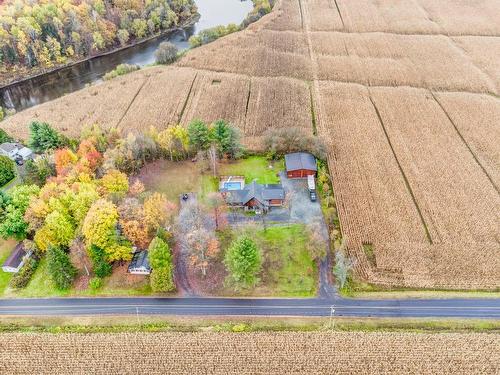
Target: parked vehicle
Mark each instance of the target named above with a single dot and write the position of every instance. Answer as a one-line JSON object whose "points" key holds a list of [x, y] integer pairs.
{"points": [[311, 184]]}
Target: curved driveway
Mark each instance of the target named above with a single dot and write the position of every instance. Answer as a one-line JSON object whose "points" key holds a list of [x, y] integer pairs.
{"points": [[449, 308]]}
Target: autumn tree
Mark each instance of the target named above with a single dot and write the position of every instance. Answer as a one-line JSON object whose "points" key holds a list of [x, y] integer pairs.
{"points": [[318, 239], [243, 261], [12, 223], [60, 268], [115, 182], [216, 202], [100, 229], [89, 155], [136, 188], [156, 210], [64, 159], [58, 231], [203, 247], [174, 141]]}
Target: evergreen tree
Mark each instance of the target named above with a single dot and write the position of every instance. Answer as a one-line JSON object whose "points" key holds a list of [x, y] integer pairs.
{"points": [[60, 268], [243, 261], [161, 279], [100, 266], [43, 137], [199, 135], [160, 260]]}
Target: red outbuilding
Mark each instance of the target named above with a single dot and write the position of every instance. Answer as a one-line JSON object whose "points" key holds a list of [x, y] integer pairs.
{"points": [[300, 165]]}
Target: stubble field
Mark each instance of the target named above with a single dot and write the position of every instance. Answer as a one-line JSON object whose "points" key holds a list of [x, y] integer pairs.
{"points": [[404, 93], [250, 353]]}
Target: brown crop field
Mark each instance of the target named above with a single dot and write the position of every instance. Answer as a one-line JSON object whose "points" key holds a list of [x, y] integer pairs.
{"points": [[406, 95], [250, 353]]}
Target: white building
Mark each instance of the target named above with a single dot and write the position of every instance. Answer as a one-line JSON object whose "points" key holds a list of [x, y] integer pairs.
{"points": [[15, 151]]}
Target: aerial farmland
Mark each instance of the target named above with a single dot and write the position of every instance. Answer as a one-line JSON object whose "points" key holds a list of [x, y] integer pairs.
{"points": [[409, 111]]}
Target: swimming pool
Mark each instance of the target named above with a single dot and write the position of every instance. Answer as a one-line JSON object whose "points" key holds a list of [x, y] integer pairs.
{"points": [[232, 185]]}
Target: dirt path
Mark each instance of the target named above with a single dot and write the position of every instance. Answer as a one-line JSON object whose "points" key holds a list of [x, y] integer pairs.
{"points": [[181, 261]]}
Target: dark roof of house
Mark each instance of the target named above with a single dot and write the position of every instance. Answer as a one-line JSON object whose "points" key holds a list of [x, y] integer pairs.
{"points": [[140, 260], [261, 192], [300, 160], [15, 258], [8, 146]]}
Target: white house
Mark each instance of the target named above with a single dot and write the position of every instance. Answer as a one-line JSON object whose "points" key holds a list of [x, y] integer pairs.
{"points": [[16, 259], [15, 151], [139, 265]]}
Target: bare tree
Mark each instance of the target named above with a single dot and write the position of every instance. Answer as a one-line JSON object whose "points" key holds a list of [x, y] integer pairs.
{"points": [[317, 243], [217, 203], [214, 159], [343, 266]]}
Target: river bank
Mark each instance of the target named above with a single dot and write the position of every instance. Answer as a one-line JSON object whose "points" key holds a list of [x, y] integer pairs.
{"points": [[6, 83]]}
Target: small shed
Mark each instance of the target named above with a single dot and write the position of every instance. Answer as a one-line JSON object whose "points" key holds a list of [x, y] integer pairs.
{"points": [[139, 265], [16, 259], [300, 165]]}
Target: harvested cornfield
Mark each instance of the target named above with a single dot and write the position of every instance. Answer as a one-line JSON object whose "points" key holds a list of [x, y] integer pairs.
{"points": [[160, 101], [276, 103], [376, 59], [285, 16], [446, 179], [250, 353], [217, 96], [483, 52], [477, 119]]}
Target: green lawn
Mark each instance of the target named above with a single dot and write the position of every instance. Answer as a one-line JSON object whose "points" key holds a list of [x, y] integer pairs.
{"points": [[175, 178], [253, 167], [288, 269], [6, 246]]}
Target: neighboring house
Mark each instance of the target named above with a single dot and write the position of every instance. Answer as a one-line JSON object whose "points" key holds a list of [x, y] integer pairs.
{"points": [[16, 259], [139, 265], [255, 196], [300, 165], [15, 151]]}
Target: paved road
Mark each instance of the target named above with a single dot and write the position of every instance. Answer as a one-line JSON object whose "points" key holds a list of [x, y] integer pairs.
{"points": [[459, 308]]}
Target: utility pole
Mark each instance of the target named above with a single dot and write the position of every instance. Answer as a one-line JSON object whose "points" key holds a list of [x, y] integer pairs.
{"points": [[332, 313]]}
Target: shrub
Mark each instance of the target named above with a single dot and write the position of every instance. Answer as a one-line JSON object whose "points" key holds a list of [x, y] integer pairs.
{"points": [[4, 137], [166, 53], [2, 113], [120, 70], [7, 170], [260, 9], [280, 141], [22, 278], [209, 35], [95, 283]]}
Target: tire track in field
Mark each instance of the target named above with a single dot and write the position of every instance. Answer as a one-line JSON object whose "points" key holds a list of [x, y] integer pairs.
{"points": [[131, 102], [403, 174], [465, 143]]}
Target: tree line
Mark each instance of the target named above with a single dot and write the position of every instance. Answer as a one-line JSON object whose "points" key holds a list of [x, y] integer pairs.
{"points": [[45, 33]]}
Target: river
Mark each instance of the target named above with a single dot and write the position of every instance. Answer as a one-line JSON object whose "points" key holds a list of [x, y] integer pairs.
{"points": [[52, 85]]}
